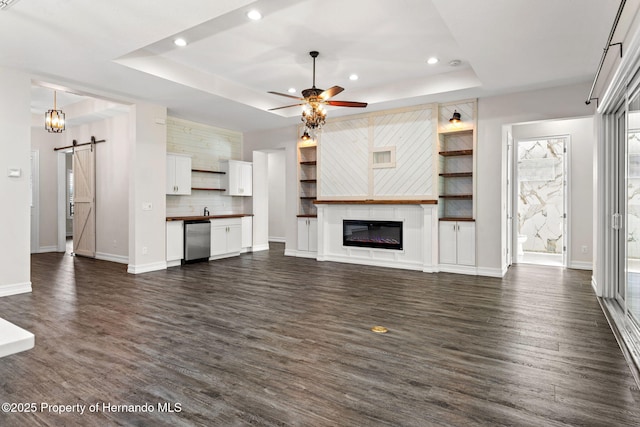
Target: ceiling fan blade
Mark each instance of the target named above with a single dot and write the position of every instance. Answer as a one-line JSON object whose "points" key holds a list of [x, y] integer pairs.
{"points": [[332, 91], [286, 106], [288, 96], [347, 104]]}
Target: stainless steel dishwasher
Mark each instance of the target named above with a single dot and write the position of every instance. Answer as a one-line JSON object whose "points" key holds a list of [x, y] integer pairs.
{"points": [[197, 240]]}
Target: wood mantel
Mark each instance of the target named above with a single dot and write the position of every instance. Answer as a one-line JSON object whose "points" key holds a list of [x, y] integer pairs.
{"points": [[375, 202]]}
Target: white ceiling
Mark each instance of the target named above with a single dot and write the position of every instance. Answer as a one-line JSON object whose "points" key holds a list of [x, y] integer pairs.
{"points": [[123, 50]]}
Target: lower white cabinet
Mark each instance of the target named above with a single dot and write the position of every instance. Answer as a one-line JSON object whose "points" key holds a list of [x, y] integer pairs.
{"points": [[247, 233], [308, 234], [175, 242], [457, 242], [226, 237]]}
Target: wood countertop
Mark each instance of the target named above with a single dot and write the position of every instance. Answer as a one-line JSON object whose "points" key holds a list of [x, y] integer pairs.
{"points": [[375, 202], [200, 217]]}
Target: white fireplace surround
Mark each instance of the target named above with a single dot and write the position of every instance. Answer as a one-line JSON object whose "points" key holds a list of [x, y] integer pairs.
{"points": [[420, 225]]}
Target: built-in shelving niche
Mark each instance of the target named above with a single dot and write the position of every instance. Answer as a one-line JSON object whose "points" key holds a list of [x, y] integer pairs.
{"points": [[307, 178], [456, 145]]}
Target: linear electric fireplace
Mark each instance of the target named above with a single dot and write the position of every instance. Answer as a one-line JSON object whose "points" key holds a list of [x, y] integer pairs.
{"points": [[372, 234]]}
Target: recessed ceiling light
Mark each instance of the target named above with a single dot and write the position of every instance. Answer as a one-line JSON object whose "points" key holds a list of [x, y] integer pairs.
{"points": [[432, 60], [292, 90], [180, 42], [254, 15], [455, 62], [353, 77]]}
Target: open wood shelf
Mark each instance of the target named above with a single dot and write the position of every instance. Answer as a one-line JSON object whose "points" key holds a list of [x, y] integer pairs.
{"points": [[308, 197], [456, 218], [456, 196], [457, 175], [456, 153], [206, 171], [208, 189], [311, 163], [309, 180]]}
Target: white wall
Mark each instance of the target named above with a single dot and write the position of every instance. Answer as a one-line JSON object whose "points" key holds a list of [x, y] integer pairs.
{"points": [[281, 138], [112, 182], [113, 165], [581, 132], [44, 142], [277, 168], [260, 201], [148, 152], [494, 114], [15, 147]]}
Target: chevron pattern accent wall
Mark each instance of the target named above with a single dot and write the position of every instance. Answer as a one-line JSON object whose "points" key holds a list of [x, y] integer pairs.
{"points": [[467, 111], [412, 134], [344, 159], [346, 156]]}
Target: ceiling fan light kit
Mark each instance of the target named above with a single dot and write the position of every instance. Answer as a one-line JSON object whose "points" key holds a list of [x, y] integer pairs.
{"points": [[313, 100]]}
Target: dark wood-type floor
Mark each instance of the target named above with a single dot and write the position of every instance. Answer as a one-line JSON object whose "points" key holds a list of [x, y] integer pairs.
{"points": [[268, 340]]}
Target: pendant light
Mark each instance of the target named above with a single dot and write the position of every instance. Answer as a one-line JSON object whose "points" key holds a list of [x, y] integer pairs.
{"points": [[54, 119]]}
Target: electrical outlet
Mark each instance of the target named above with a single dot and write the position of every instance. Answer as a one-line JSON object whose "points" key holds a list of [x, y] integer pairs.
{"points": [[145, 250], [585, 249]]}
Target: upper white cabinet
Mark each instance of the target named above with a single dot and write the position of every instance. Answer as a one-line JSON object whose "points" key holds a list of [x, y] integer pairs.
{"points": [[178, 174], [238, 178]]}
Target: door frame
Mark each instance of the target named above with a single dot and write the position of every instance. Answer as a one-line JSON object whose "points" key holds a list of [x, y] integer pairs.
{"points": [[62, 200], [515, 193], [34, 176]]}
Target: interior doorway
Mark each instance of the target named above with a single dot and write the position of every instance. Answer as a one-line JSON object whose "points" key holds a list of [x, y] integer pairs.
{"points": [[540, 226], [34, 183]]}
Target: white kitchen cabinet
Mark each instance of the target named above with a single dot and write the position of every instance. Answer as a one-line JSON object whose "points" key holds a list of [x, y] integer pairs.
{"points": [[238, 177], [247, 232], [226, 237], [307, 234], [457, 242], [178, 174], [175, 242]]}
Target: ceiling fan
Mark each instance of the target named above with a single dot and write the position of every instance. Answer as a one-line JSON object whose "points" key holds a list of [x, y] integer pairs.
{"points": [[314, 99]]}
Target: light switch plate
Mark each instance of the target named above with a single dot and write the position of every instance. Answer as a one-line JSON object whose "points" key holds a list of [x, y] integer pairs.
{"points": [[14, 173], [147, 206]]}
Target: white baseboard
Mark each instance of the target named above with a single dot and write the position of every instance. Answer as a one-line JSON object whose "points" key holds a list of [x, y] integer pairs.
{"points": [[146, 268], [581, 265], [373, 262], [458, 269], [258, 248], [491, 272], [14, 289], [174, 263], [300, 254], [277, 239], [229, 255], [120, 259], [47, 249]]}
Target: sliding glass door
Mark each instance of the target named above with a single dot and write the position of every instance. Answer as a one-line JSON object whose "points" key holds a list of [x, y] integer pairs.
{"points": [[631, 294]]}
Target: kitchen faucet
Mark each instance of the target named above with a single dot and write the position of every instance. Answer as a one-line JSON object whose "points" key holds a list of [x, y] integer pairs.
{"points": [[206, 211]]}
